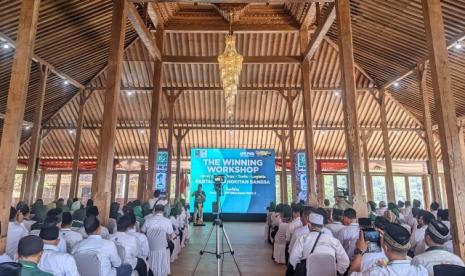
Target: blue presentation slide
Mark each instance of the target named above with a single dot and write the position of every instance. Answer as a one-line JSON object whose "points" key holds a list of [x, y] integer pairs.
{"points": [[249, 185]]}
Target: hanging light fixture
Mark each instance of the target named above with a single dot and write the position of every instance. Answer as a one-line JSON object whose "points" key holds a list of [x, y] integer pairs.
{"points": [[230, 62]]}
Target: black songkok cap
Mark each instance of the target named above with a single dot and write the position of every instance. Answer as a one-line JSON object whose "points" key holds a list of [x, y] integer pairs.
{"points": [[338, 212], [397, 236], [91, 224], [30, 245], [438, 230], [10, 269], [49, 233], [55, 212], [92, 211], [67, 218], [123, 223]]}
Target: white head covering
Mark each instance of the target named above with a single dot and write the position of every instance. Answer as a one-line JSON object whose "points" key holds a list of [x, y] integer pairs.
{"points": [[316, 218]]}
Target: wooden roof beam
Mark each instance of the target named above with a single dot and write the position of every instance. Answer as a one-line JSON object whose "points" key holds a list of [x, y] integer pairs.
{"points": [[410, 71], [25, 123], [195, 27], [320, 33], [42, 61], [143, 32], [247, 59], [231, 1], [240, 88]]}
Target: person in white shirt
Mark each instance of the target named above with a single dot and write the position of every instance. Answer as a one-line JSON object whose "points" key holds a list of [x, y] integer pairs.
{"points": [[110, 261], [434, 206], [348, 235], [296, 221], [443, 216], [157, 199], [406, 210], [158, 230], [304, 229], [395, 243], [280, 254], [142, 242], [382, 208], [317, 242], [49, 222], [129, 243], [92, 211], [27, 221], [417, 240], [16, 231], [67, 234], [54, 261], [436, 235], [336, 223]]}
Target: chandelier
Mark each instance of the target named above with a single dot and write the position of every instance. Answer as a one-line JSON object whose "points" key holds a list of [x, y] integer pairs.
{"points": [[230, 62]]}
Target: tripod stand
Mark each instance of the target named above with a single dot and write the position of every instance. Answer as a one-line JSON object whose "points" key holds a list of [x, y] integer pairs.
{"points": [[219, 253]]}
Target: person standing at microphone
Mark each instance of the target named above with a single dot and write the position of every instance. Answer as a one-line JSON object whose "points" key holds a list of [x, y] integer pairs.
{"points": [[199, 199]]}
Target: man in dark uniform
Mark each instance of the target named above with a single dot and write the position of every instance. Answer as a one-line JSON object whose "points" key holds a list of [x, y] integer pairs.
{"points": [[199, 199], [30, 249]]}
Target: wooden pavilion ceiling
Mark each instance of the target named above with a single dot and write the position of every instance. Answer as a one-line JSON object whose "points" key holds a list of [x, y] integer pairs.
{"points": [[388, 40]]}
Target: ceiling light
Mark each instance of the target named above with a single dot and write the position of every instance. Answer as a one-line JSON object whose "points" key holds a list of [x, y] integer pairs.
{"points": [[337, 93], [323, 132], [231, 132], [129, 93], [66, 82], [458, 45], [141, 131], [6, 46], [27, 127], [71, 131], [396, 84]]}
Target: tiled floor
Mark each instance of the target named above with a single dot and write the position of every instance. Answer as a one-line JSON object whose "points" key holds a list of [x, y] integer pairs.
{"points": [[252, 253]]}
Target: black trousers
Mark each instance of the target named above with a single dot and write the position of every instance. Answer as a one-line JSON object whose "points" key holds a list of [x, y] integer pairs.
{"points": [[141, 267]]}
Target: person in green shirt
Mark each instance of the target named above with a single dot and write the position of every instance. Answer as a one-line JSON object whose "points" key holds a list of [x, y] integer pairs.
{"points": [[30, 249]]}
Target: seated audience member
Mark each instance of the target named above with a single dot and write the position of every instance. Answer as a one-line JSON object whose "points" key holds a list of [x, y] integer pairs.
{"points": [[39, 211], [443, 216], [157, 199], [30, 249], [417, 240], [16, 231], [54, 261], [92, 211], [280, 244], [348, 235], [434, 206], [317, 242], [395, 244], [27, 221], [295, 223], [371, 210], [79, 212], [382, 208], [336, 222], [114, 215], [67, 234], [108, 254], [129, 243], [304, 229], [436, 235], [407, 209], [49, 222], [371, 259], [275, 221], [142, 242], [158, 229], [176, 233]]}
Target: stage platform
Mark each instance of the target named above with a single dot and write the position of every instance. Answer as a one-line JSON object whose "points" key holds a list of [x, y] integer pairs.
{"points": [[252, 252]]}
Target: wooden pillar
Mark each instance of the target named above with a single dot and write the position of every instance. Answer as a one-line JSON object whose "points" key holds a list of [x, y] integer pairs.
{"points": [[142, 181], [108, 133], [179, 137], [426, 190], [15, 106], [447, 121], [349, 96], [283, 176], [308, 122], [290, 121], [391, 194], [365, 135], [432, 162], [126, 188], [155, 118], [407, 189], [73, 189], [114, 177], [321, 190], [58, 186], [23, 186], [40, 185], [34, 151], [171, 97]]}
